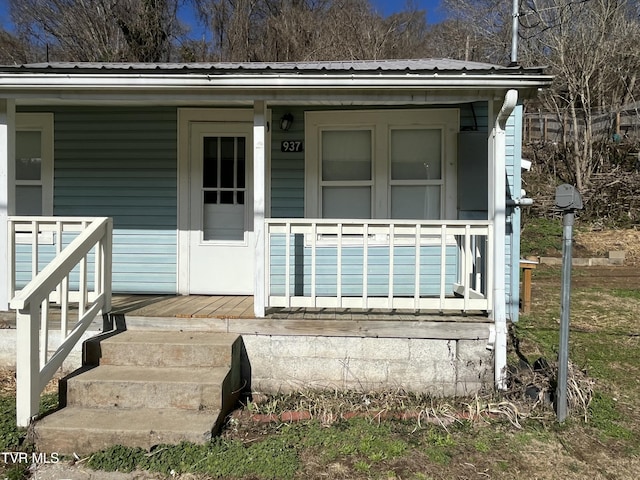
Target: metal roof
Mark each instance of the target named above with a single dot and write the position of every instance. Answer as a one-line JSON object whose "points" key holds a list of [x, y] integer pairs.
{"points": [[431, 65]]}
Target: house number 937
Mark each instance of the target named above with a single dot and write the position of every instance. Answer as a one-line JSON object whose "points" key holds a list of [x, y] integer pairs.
{"points": [[291, 146]]}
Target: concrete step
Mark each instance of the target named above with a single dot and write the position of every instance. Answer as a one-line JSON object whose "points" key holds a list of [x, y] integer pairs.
{"points": [[86, 430], [143, 388], [163, 349], [110, 386]]}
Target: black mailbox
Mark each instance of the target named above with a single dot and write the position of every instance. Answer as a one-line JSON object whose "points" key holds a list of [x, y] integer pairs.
{"points": [[568, 198]]}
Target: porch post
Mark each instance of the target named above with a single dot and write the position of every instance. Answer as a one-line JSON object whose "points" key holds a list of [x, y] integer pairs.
{"points": [[7, 153], [259, 155], [497, 211]]}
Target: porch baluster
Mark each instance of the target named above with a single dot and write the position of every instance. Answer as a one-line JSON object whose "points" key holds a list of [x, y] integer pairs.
{"points": [[443, 264], [365, 266], [467, 265], [314, 238], [417, 267], [287, 265], [339, 267], [392, 241]]}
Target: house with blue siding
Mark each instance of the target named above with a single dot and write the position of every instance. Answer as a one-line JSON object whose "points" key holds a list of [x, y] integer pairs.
{"points": [[364, 186]]}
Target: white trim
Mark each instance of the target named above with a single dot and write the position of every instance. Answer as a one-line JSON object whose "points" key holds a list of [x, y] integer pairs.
{"points": [[135, 81], [7, 154], [43, 123], [259, 204], [186, 118], [380, 123]]}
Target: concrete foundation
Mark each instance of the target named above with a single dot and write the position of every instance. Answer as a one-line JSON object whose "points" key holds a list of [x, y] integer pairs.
{"points": [[438, 367], [440, 358]]}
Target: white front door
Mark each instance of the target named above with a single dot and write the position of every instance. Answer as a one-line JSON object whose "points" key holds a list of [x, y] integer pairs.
{"points": [[221, 240]]}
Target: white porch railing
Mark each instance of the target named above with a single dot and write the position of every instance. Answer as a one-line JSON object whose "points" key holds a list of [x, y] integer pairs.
{"points": [[51, 284], [381, 264]]}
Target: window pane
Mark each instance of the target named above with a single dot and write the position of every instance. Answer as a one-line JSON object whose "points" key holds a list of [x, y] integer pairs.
{"points": [[241, 162], [415, 154], [346, 202], [210, 163], [226, 198], [210, 197], [415, 202], [28, 155], [28, 200], [227, 166], [346, 155]]}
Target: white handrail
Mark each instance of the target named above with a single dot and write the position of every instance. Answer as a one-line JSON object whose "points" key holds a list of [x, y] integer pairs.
{"points": [[33, 367], [462, 284]]}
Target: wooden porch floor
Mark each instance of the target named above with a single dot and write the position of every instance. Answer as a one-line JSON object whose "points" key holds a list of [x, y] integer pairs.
{"points": [[241, 307], [234, 314]]}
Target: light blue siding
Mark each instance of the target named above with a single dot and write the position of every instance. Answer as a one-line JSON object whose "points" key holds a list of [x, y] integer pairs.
{"points": [[46, 253], [377, 269], [287, 168], [122, 163]]}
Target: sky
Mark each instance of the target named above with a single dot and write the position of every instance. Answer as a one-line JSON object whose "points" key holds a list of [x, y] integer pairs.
{"points": [[387, 7], [384, 7]]}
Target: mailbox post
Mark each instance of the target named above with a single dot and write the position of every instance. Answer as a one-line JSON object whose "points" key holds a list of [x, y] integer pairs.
{"points": [[568, 200]]}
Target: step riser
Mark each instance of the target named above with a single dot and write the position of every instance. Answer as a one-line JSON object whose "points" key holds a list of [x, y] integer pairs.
{"points": [[154, 355], [85, 441], [100, 394]]}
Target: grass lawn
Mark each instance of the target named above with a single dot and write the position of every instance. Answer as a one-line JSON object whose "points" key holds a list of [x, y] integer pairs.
{"points": [[511, 437]]}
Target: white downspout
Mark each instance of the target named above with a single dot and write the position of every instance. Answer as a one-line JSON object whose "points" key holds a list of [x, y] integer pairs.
{"points": [[7, 189], [499, 228]]}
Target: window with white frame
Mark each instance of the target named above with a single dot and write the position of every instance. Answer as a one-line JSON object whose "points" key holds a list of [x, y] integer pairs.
{"points": [[34, 164], [395, 164]]}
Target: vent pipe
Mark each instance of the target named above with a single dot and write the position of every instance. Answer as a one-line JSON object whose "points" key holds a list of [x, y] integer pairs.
{"points": [[514, 33]]}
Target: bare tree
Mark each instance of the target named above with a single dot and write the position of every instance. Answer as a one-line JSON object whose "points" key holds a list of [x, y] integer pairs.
{"points": [[290, 30], [14, 49], [591, 46], [97, 30], [477, 30]]}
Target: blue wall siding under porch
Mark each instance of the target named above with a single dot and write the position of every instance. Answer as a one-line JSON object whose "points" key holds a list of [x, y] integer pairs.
{"points": [[121, 163], [377, 269]]}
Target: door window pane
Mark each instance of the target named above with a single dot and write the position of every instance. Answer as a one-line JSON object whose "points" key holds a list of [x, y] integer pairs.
{"points": [[210, 163], [28, 200], [416, 154], [346, 155], [241, 163], [28, 155], [227, 164], [415, 202], [224, 170], [346, 202]]}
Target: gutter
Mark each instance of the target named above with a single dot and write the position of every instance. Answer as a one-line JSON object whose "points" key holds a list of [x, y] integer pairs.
{"points": [[68, 81], [499, 226]]}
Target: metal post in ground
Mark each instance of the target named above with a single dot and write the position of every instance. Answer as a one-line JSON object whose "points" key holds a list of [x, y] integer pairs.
{"points": [[568, 199]]}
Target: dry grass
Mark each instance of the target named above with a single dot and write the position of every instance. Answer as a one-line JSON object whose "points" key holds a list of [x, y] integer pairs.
{"points": [[514, 405], [601, 242], [8, 382]]}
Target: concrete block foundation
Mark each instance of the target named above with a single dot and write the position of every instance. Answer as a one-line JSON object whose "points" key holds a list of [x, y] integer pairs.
{"points": [[298, 362]]}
